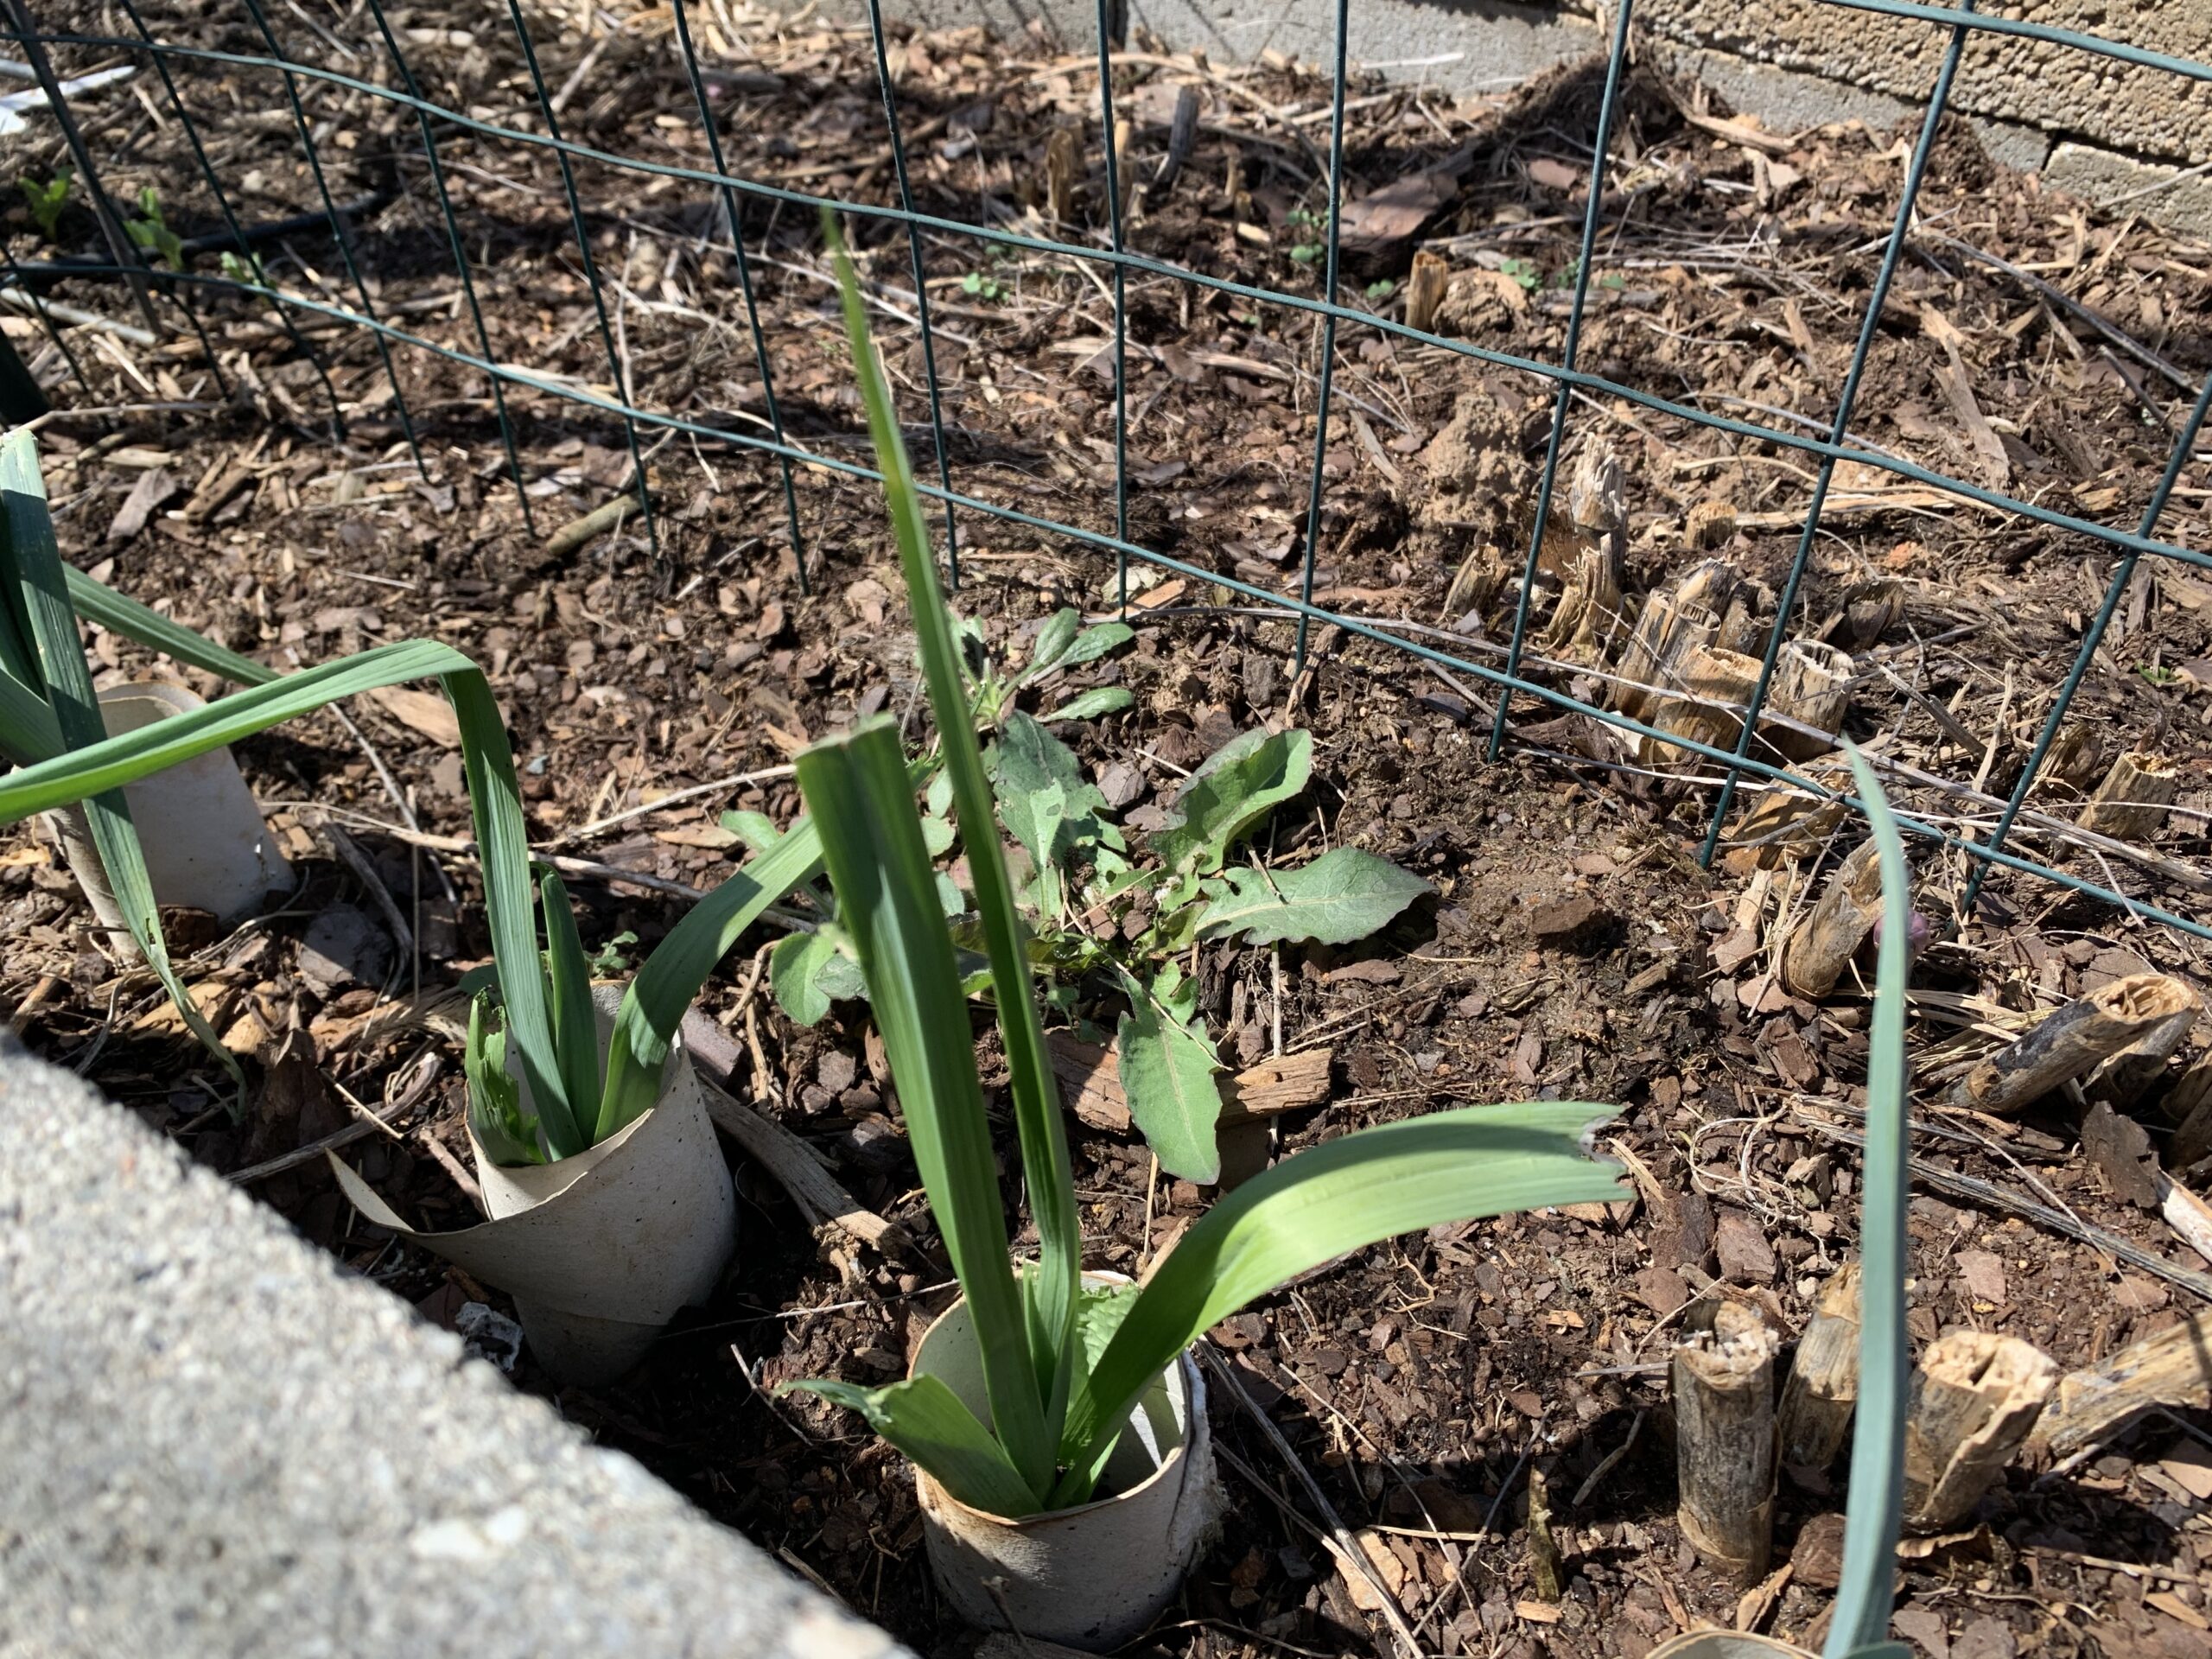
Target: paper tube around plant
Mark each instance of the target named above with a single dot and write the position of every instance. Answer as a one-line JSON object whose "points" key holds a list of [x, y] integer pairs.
{"points": [[1726, 1645], [205, 845], [600, 1249], [1094, 1577]]}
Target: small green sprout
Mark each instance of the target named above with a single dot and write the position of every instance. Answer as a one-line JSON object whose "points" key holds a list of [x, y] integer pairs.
{"points": [[47, 199], [150, 233]]}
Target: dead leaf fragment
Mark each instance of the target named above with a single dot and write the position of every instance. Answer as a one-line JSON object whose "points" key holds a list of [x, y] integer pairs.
{"points": [[425, 712]]}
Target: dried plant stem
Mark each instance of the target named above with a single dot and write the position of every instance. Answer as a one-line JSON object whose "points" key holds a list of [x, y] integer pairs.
{"points": [[1975, 1398], [1724, 1426], [1823, 1386], [2070, 1042]]}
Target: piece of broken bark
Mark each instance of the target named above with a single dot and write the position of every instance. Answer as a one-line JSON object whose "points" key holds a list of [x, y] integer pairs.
{"points": [[1092, 1077]]}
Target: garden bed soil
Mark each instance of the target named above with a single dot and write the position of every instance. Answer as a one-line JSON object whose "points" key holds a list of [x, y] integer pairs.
{"points": [[1573, 947]]}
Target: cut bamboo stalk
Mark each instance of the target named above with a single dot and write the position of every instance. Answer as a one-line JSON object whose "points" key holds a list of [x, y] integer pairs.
{"points": [[2187, 1214], [1786, 824], [1708, 585], [1714, 688], [1724, 1432], [2171, 1368], [2069, 1043], [1975, 1398], [1710, 525], [1870, 610], [1825, 942], [1811, 686], [2077, 759], [1823, 1386], [1431, 275], [1639, 662], [2127, 1076], [2130, 803]]}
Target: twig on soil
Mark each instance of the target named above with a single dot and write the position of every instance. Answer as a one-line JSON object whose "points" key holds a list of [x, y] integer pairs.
{"points": [[577, 531], [357, 861], [735, 780], [1345, 1548], [359, 1129], [1988, 1192]]}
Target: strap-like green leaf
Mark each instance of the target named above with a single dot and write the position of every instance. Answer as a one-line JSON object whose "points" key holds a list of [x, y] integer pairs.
{"points": [[668, 984], [120, 760], [31, 554], [1043, 1133], [1343, 895], [120, 613], [575, 1033], [858, 790], [509, 894], [1864, 1597], [925, 1419], [1339, 1195], [1166, 1069]]}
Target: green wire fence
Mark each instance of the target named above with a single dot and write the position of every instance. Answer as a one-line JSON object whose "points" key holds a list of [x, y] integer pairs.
{"points": [[300, 81]]}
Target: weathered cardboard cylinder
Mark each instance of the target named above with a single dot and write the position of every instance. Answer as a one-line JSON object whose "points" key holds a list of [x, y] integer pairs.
{"points": [[205, 844], [599, 1250], [1097, 1576]]}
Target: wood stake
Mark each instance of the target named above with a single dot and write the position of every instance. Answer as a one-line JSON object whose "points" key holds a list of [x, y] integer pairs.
{"points": [[1824, 944], [1823, 1386], [2130, 803], [1975, 1398], [1724, 1436], [2171, 1368], [1431, 276], [2070, 1042], [1811, 686]]}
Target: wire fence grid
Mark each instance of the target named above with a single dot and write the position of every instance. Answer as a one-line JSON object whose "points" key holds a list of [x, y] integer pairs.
{"points": [[375, 64]]}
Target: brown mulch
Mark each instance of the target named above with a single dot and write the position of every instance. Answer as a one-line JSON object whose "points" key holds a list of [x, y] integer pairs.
{"points": [[1575, 949]]}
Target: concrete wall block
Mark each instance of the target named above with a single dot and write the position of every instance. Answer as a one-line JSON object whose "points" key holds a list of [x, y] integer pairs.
{"points": [[214, 1441], [2144, 111]]}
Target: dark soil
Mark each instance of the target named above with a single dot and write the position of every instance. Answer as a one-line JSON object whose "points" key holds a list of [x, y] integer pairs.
{"points": [[1575, 948]]}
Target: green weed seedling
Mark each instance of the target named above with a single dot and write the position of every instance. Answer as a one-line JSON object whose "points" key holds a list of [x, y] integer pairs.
{"points": [[47, 201], [247, 272], [1064, 1363], [150, 231], [1111, 921]]}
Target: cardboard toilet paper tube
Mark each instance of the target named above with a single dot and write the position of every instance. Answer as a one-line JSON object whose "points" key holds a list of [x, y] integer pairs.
{"points": [[599, 1250]]}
